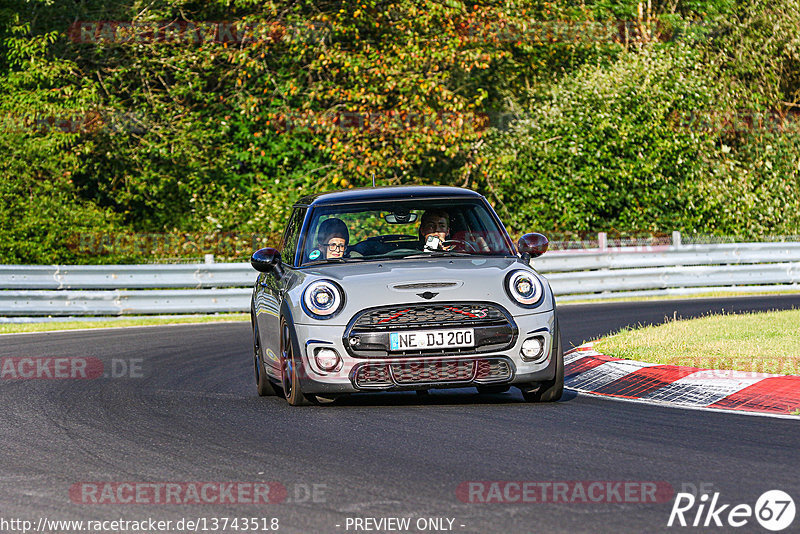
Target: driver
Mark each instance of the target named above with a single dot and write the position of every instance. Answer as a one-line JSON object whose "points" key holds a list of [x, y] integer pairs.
{"points": [[434, 234], [332, 240]]}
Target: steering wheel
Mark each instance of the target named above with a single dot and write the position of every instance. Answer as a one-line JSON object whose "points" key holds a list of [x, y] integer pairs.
{"points": [[466, 244]]}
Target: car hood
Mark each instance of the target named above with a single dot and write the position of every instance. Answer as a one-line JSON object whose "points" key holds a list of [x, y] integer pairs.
{"points": [[371, 284]]}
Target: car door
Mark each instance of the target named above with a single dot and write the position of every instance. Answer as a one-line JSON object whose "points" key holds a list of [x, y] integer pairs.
{"points": [[270, 293]]}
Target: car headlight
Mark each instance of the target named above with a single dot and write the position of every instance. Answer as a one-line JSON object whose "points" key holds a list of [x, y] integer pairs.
{"points": [[322, 299], [524, 287]]}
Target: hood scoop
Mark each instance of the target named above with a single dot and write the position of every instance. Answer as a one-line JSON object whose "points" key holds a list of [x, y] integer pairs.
{"points": [[424, 286]]}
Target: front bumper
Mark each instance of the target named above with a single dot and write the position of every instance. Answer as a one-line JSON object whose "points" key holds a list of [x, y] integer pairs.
{"points": [[420, 371]]}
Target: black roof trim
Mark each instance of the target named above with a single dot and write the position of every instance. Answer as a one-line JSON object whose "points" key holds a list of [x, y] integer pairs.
{"points": [[365, 194]]}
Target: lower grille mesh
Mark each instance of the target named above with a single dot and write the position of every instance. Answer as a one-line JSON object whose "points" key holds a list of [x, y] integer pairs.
{"points": [[488, 369], [373, 375], [431, 372], [441, 371]]}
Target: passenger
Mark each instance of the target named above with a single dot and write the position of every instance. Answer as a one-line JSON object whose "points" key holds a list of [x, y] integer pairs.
{"points": [[332, 240]]}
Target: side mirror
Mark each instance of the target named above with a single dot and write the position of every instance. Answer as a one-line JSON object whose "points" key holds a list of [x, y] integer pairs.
{"points": [[532, 245], [265, 260]]}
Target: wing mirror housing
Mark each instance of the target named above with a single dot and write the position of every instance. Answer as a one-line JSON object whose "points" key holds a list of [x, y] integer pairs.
{"points": [[532, 245], [266, 260]]}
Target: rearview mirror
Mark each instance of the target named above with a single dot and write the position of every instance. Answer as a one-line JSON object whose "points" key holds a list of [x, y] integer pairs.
{"points": [[266, 259], [532, 245], [400, 217]]}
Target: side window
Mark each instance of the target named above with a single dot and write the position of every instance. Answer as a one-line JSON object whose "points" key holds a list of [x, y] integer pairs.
{"points": [[292, 235]]}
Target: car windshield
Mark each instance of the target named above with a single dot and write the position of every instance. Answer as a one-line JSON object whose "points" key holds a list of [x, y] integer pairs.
{"points": [[403, 229]]}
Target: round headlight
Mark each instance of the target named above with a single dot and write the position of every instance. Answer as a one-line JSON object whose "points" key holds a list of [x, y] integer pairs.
{"points": [[524, 287], [322, 299]]}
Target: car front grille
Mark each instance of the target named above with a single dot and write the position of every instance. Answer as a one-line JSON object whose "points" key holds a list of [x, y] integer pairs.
{"points": [[431, 372], [368, 334], [415, 316]]}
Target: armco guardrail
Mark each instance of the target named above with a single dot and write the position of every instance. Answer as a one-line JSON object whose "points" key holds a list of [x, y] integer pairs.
{"points": [[671, 270], [34, 290], [195, 276]]}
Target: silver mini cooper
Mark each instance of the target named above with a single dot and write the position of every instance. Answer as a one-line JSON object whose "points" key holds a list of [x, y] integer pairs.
{"points": [[402, 288]]}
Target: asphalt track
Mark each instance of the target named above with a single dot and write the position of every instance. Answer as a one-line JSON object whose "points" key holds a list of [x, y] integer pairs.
{"points": [[194, 415]]}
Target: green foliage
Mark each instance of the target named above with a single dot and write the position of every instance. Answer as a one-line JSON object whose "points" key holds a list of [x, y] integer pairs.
{"points": [[40, 205], [757, 53], [121, 133], [663, 139], [606, 148]]}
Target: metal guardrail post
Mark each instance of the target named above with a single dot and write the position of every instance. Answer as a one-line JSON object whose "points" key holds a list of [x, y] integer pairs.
{"points": [[676, 239]]}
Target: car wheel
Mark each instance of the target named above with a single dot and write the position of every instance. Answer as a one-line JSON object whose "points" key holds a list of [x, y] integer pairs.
{"points": [[263, 384], [492, 390], [550, 390], [290, 371]]}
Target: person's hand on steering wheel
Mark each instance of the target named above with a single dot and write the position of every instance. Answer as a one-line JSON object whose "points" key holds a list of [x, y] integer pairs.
{"points": [[455, 244], [470, 243]]}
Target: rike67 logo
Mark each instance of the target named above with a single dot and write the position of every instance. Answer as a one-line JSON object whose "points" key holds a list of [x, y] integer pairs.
{"points": [[774, 510]]}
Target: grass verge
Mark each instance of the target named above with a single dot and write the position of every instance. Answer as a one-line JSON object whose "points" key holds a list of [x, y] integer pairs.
{"points": [[705, 295], [15, 328], [766, 342]]}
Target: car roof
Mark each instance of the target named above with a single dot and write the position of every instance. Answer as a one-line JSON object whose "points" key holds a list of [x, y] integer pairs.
{"points": [[366, 194]]}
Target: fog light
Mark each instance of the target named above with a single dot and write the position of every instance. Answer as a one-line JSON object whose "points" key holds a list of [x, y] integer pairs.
{"points": [[327, 359], [532, 348]]}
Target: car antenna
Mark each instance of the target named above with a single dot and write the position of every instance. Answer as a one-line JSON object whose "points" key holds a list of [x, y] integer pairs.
{"points": [[373, 178]]}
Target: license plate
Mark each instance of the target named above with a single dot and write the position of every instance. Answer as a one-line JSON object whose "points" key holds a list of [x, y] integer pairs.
{"points": [[432, 339]]}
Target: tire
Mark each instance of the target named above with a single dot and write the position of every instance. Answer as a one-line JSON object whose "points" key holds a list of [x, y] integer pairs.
{"points": [[289, 369], [263, 384], [493, 390], [550, 390]]}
